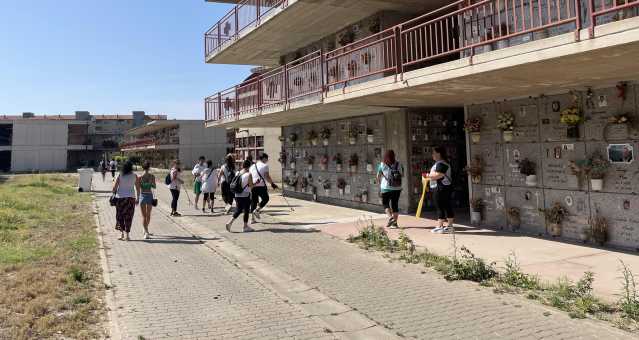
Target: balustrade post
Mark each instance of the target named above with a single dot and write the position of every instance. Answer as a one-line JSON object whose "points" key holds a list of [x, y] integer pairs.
{"points": [[257, 14], [593, 19], [260, 94], [237, 103], [399, 53], [578, 20], [237, 23], [219, 105], [323, 73], [219, 35], [286, 94]]}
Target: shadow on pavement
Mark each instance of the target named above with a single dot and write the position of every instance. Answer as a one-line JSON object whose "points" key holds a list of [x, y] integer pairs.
{"points": [[287, 230], [295, 223]]}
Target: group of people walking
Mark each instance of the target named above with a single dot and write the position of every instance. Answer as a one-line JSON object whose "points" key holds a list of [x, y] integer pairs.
{"points": [[247, 187]]}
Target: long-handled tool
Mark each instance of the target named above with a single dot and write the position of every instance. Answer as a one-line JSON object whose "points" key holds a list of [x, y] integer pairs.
{"points": [[425, 184], [289, 205], [187, 195]]}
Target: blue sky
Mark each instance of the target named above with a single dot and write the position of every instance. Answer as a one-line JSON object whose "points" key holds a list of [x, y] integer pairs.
{"points": [[113, 56]]}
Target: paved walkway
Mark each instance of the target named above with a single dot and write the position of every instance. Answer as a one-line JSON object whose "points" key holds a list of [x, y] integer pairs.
{"points": [[361, 285]]}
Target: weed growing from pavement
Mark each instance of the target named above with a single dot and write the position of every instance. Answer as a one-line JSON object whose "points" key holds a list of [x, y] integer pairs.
{"points": [[575, 298], [49, 269]]}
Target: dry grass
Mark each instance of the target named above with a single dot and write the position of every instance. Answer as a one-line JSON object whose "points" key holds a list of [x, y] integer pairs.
{"points": [[49, 262]]}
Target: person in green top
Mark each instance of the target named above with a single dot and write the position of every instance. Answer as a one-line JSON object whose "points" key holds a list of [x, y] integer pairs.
{"points": [[147, 183], [389, 175]]}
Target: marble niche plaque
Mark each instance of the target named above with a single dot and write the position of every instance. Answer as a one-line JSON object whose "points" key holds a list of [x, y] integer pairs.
{"points": [[526, 115], [549, 125], [513, 153], [621, 177], [556, 158], [488, 114], [622, 214], [492, 156], [494, 213], [529, 201], [578, 206]]}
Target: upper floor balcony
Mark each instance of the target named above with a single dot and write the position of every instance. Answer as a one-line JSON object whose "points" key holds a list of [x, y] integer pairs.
{"points": [[259, 32], [153, 136], [453, 56]]}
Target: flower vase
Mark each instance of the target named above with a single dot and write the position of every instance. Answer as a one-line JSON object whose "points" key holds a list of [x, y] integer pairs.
{"points": [[370, 138], [314, 141], [475, 217], [352, 140], [325, 142], [555, 229], [323, 167], [476, 179], [341, 192], [338, 167], [293, 165], [364, 198], [596, 184], [475, 137], [369, 168], [531, 180], [327, 192], [508, 136], [353, 168], [310, 167]]}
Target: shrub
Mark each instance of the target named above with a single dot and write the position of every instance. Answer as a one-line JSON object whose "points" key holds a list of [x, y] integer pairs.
{"points": [[469, 267], [629, 301], [513, 275]]}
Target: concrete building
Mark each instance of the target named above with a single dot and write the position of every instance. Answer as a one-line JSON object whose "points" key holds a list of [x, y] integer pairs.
{"points": [[163, 141], [405, 75], [60, 142], [255, 141]]}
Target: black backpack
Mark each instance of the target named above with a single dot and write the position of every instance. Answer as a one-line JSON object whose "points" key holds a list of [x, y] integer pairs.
{"points": [[395, 177], [167, 179], [236, 184]]}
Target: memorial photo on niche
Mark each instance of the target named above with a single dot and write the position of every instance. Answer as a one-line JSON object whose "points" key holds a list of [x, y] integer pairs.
{"points": [[621, 153]]}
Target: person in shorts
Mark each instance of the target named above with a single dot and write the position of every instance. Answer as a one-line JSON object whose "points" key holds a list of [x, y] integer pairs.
{"points": [[441, 184], [209, 184], [147, 184], [198, 168], [389, 174]]}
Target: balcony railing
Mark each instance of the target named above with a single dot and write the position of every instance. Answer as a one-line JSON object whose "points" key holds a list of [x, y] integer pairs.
{"points": [[451, 32], [243, 15]]}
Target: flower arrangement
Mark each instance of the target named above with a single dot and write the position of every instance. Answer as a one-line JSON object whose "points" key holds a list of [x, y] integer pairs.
{"points": [[325, 133], [353, 133], [527, 167], [473, 124], [354, 160], [619, 119], [324, 160], [369, 131], [599, 227], [326, 185], [338, 159], [597, 166], [477, 204], [341, 184], [514, 218], [283, 157], [571, 116], [555, 216], [311, 137], [292, 137], [506, 121], [310, 159]]}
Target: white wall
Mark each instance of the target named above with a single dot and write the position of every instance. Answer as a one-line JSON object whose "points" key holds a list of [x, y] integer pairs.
{"points": [[39, 145], [196, 141]]}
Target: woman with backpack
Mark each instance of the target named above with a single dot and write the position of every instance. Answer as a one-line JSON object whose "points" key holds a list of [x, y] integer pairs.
{"points": [[148, 201], [209, 184], [224, 178], [441, 184], [127, 194], [241, 186], [389, 175], [174, 182]]}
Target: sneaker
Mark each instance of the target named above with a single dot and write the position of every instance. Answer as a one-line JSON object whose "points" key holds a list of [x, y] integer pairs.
{"points": [[390, 222], [227, 210], [256, 214], [253, 220], [394, 225], [228, 225], [177, 214], [247, 229], [438, 230], [146, 236], [126, 238], [448, 230], [203, 211]]}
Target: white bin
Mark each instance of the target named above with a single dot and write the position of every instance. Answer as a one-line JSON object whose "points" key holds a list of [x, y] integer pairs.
{"points": [[85, 179]]}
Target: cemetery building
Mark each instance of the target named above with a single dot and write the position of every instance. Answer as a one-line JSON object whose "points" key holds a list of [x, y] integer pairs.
{"points": [[162, 141], [30, 142], [547, 91]]}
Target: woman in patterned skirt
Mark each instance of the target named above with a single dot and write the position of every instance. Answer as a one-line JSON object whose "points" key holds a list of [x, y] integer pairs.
{"points": [[127, 192]]}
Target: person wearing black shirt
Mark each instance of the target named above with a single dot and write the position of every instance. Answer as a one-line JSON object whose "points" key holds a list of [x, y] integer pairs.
{"points": [[441, 184]]}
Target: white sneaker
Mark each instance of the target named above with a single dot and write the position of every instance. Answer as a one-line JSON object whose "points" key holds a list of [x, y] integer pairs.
{"points": [[146, 236], [438, 230], [447, 230], [256, 214]]}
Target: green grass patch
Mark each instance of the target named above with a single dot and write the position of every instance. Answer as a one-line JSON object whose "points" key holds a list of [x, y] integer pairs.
{"points": [[49, 264]]}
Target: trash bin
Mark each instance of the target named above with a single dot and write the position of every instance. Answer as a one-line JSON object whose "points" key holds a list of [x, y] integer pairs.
{"points": [[86, 177]]}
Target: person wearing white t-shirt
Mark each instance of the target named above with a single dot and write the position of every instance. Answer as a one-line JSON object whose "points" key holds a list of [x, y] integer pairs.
{"points": [[198, 168], [259, 193], [243, 197], [209, 183]]}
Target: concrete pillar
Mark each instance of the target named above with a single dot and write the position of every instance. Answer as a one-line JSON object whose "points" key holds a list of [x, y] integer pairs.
{"points": [[396, 138]]}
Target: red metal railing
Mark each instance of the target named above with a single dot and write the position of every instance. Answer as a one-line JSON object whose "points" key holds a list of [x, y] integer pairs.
{"points": [[138, 143], [452, 31], [242, 16]]}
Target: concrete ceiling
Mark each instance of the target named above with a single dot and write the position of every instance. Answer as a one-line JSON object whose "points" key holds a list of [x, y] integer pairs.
{"points": [[304, 22]]}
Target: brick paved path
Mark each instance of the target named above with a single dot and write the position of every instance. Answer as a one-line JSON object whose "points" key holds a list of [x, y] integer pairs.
{"points": [[410, 303]]}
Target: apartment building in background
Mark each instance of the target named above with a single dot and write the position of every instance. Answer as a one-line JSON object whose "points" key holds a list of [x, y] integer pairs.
{"points": [[162, 141], [30, 142], [550, 84]]}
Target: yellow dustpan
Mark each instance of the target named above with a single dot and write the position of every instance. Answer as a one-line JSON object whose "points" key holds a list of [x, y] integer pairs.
{"points": [[425, 186]]}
